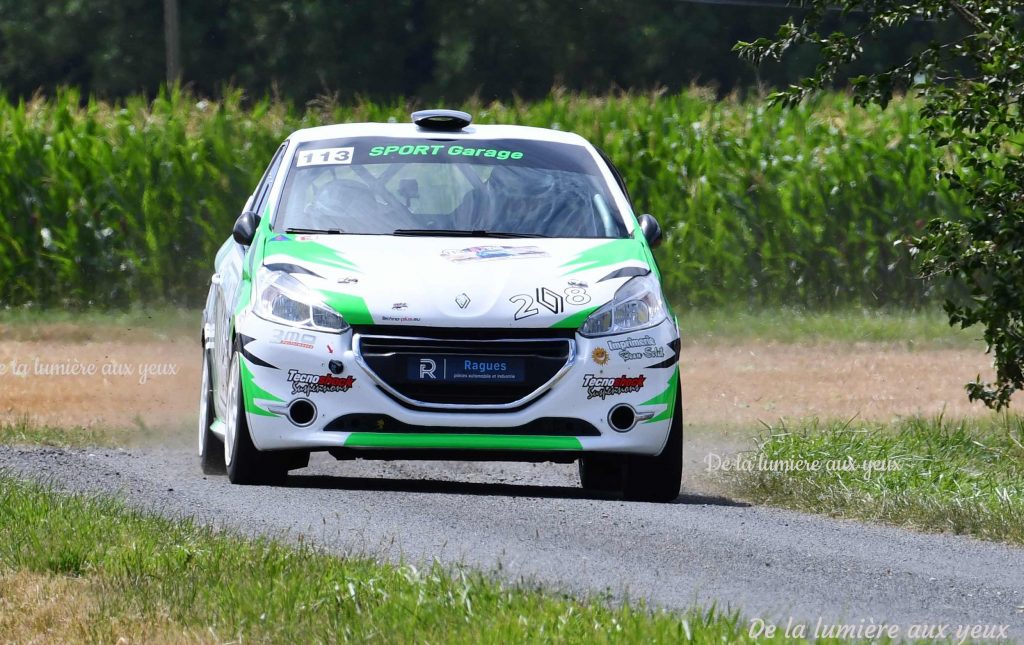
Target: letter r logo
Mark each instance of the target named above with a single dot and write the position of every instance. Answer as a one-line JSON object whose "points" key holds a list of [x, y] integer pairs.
{"points": [[427, 368]]}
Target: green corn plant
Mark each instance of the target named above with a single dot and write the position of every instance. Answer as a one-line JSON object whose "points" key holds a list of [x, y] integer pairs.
{"points": [[109, 204]]}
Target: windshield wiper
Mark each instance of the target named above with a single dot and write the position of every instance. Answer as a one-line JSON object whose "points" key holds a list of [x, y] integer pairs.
{"points": [[456, 232], [314, 231]]}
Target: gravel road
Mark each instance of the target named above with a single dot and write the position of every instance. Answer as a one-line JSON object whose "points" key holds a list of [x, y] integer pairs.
{"points": [[530, 521]]}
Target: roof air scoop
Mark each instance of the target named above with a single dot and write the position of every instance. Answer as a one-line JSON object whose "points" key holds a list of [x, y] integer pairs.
{"points": [[442, 120]]}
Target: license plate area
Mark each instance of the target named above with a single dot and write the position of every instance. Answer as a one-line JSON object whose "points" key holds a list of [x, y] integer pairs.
{"points": [[499, 371], [463, 369]]}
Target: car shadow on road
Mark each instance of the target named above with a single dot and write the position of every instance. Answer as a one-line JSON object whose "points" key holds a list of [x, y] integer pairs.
{"points": [[327, 482]]}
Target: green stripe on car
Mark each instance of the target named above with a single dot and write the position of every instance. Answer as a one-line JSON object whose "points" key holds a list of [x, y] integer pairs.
{"points": [[573, 321], [309, 251], [669, 397], [461, 441], [251, 392], [352, 308], [610, 253]]}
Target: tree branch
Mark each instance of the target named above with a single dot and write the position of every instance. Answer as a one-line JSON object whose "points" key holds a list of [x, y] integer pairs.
{"points": [[965, 14]]}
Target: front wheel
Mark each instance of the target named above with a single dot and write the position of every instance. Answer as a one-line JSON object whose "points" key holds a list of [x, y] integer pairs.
{"points": [[601, 473], [210, 447], [245, 464], [638, 477], [658, 478]]}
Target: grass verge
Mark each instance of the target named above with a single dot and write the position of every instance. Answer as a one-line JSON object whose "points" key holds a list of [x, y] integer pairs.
{"points": [[25, 432], [964, 476], [32, 324], [146, 578], [926, 328]]}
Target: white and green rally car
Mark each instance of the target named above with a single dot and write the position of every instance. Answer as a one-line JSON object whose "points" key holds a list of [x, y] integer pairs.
{"points": [[438, 290]]}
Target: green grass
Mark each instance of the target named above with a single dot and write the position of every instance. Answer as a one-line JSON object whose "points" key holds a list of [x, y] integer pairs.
{"points": [[922, 328], [963, 476], [222, 587], [24, 432], [94, 324]]}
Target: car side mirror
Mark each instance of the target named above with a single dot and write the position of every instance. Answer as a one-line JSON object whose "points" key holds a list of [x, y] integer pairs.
{"points": [[651, 230], [245, 228]]}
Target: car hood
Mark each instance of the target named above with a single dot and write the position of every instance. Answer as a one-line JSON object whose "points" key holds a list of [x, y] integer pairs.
{"points": [[459, 282]]}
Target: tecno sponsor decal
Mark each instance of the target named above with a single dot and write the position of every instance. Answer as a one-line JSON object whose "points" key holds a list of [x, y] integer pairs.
{"points": [[630, 349], [315, 383], [602, 386]]}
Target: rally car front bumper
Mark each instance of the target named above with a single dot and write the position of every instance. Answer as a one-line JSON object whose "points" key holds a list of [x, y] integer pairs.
{"points": [[358, 390]]}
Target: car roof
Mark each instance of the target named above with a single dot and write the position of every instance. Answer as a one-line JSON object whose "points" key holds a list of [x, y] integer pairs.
{"points": [[412, 131]]}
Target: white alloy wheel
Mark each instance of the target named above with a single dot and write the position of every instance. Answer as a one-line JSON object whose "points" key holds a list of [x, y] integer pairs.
{"points": [[232, 409]]}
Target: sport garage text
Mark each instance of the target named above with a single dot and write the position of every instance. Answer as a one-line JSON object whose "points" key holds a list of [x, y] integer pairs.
{"points": [[438, 149]]}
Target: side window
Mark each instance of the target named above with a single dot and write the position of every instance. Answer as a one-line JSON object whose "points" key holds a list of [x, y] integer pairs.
{"points": [[263, 190]]}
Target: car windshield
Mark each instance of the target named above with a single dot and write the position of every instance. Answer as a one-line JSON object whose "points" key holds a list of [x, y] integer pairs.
{"points": [[506, 187]]}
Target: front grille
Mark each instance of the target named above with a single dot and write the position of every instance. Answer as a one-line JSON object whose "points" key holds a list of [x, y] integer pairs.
{"points": [[391, 361], [463, 333]]}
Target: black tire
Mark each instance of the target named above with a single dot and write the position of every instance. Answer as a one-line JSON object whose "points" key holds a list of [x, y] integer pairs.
{"points": [[601, 473], [246, 464], [210, 447], [659, 478]]}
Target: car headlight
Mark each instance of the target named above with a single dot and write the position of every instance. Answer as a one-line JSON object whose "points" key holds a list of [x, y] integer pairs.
{"points": [[283, 299], [638, 304]]}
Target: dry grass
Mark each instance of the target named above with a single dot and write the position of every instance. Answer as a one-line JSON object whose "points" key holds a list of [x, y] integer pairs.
{"points": [[737, 384], [737, 370], [122, 398], [44, 608]]}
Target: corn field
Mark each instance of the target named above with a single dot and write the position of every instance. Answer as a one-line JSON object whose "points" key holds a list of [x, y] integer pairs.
{"points": [[114, 204]]}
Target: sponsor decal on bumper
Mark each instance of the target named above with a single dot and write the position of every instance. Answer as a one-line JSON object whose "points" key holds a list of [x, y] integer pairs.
{"points": [[602, 387], [303, 383]]}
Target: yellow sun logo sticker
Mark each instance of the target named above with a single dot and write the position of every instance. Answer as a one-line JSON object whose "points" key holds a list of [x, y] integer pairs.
{"points": [[600, 355]]}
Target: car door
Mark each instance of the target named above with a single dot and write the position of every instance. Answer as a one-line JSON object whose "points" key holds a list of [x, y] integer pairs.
{"points": [[227, 283]]}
